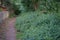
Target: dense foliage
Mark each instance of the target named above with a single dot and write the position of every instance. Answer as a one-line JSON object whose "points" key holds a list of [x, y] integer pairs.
{"points": [[40, 22], [31, 5], [38, 26]]}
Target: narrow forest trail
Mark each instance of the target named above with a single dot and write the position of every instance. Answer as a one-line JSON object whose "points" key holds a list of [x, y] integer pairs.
{"points": [[7, 25], [8, 29], [11, 31]]}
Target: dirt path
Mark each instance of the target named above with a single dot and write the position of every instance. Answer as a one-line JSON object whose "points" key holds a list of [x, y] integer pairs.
{"points": [[7, 25], [11, 31]]}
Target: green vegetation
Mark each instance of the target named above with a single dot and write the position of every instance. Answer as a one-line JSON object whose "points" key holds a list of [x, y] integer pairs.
{"points": [[41, 24], [38, 26], [38, 20]]}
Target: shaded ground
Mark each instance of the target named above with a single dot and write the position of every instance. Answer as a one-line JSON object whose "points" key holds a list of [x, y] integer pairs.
{"points": [[8, 29]]}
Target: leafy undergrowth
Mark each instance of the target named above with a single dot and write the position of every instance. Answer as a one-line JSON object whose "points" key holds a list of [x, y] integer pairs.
{"points": [[38, 26]]}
